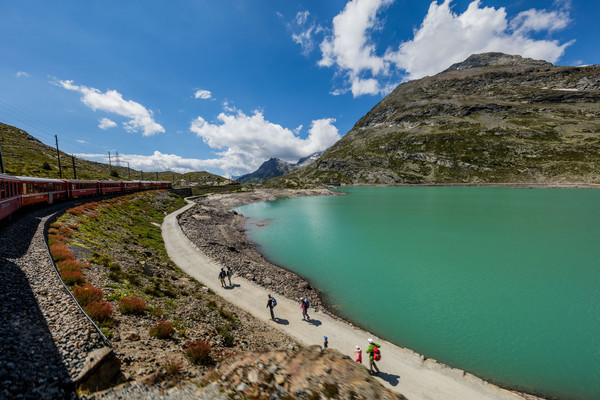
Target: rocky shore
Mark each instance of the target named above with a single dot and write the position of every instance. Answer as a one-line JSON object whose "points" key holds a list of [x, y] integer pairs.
{"points": [[219, 232]]}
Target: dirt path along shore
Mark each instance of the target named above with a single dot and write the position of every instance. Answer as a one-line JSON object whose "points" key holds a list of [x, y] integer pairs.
{"points": [[402, 370]]}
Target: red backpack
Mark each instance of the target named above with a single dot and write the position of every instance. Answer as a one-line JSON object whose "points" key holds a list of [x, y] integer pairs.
{"points": [[376, 353]]}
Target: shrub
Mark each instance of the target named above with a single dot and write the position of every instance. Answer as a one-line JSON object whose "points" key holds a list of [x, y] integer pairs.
{"points": [[162, 330], [87, 294], [65, 232], [54, 240], [69, 265], [71, 278], [198, 352], [132, 305], [79, 210], [60, 252], [173, 368], [99, 311], [73, 226]]}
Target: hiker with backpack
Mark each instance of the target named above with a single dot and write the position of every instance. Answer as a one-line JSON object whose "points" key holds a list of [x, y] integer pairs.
{"points": [[374, 355], [304, 304], [271, 303], [229, 275], [222, 276]]}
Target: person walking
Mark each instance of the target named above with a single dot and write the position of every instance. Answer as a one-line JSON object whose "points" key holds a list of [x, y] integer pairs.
{"points": [[229, 275], [374, 355], [358, 353], [304, 304], [325, 342], [271, 303], [222, 276]]}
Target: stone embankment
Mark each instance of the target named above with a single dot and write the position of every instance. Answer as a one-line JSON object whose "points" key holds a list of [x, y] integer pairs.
{"points": [[219, 232], [47, 342]]}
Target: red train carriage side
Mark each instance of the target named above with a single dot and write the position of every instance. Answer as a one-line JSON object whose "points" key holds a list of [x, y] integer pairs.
{"points": [[145, 185], [10, 195], [77, 188], [110, 187], [41, 190], [131, 186]]}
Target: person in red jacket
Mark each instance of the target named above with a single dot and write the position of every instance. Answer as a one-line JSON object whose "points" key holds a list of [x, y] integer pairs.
{"points": [[374, 355]]}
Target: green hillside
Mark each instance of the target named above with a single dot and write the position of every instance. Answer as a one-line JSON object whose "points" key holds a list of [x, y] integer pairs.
{"points": [[493, 118], [24, 155]]}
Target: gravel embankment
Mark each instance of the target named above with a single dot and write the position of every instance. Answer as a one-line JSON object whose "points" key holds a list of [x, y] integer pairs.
{"points": [[44, 336]]}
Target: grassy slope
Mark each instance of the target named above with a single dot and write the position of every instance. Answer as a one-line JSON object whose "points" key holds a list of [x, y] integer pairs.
{"points": [[120, 241], [24, 155], [485, 125]]}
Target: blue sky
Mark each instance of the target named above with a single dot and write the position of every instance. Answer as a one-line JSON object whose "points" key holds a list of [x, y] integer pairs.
{"points": [[224, 85]]}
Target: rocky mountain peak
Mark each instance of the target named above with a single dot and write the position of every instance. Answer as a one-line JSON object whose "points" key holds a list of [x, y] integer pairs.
{"points": [[496, 59]]}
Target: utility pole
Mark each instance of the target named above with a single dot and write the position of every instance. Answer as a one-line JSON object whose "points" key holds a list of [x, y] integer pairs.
{"points": [[141, 175], [1, 160], [58, 156], [128, 171], [157, 176], [109, 163], [74, 170]]}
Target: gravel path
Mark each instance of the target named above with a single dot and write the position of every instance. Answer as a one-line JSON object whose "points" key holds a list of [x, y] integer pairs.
{"points": [[44, 337]]}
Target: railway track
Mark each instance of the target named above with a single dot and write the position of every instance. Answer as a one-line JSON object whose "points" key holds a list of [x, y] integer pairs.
{"points": [[44, 337]]}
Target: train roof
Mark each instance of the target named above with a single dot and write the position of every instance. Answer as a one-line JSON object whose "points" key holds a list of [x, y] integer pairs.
{"points": [[43, 180], [10, 177]]}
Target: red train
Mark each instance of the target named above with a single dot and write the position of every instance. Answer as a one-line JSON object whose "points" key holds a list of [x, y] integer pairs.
{"points": [[20, 191]]}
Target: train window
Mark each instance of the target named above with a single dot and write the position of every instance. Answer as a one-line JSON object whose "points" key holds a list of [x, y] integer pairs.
{"points": [[1, 190]]}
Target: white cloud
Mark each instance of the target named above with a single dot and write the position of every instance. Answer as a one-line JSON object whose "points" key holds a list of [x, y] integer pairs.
{"points": [[140, 118], [106, 123], [203, 94], [350, 48], [158, 162], [246, 141], [444, 38], [304, 31], [540, 20], [22, 74]]}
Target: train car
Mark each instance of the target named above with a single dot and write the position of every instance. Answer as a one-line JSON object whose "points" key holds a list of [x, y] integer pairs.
{"points": [[10, 195], [131, 186], [41, 190], [145, 185], [164, 184], [77, 188], [110, 187]]}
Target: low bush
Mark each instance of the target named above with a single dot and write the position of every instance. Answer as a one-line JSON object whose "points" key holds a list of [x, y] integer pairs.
{"points": [[198, 352], [99, 311], [71, 278], [60, 252], [132, 305], [87, 294], [69, 265], [162, 330], [55, 239]]}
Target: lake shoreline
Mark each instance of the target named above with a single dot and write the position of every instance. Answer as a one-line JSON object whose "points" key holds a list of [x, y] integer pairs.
{"points": [[229, 253]]}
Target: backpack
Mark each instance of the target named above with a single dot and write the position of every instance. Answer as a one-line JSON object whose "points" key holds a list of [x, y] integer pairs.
{"points": [[273, 301], [376, 353], [307, 304], [221, 274], [229, 272]]}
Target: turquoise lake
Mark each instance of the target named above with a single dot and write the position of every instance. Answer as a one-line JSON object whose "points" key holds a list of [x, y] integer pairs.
{"points": [[500, 282]]}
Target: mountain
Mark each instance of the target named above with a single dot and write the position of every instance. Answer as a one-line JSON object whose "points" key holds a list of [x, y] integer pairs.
{"points": [[24, 155], [493, 118], [275, 167]]}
